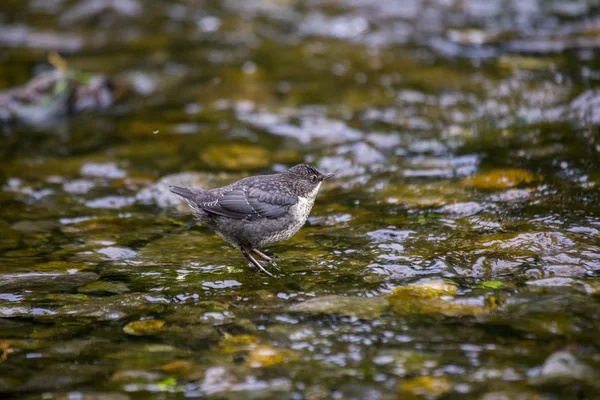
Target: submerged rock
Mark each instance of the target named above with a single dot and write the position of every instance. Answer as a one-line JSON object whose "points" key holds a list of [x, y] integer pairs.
{"points": [[53, 281], [501, 179], [562, 367], [433, 297], [236, 157], [104, 288], [429, 387], [147, 327], [361, 307], [267, 356], [64, 375], [196, 336], [112, 308], [428, 289]]}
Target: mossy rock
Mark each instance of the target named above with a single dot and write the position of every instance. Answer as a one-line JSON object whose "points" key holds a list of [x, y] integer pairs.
{"points": [[501, 179], [112, 307], [236, 157], [361, 307], [424, 195], [267, 356], [428, 387], [236, 343], [103, 288], [429, 298], [183, 368], [45, 281], [428, 289], [149, 327], [62, 266]]}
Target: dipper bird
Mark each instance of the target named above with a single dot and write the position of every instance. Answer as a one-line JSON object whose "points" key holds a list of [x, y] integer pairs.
{"points": [[259, 210]]}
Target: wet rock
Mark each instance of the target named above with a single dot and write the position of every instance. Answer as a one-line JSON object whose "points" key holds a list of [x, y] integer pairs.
{"points": [[341, 167], [189, 246], [553, 282], [101, 288], [406, 362], [9, 238], [23, 311], [107, 170], [60, 299], [133, 376], [78, 186], [60, 330], [361, 307], [362, 153], [424, 195], [183, 368], [310, 126], [61, 266], [433, 297], [22, 36], [465, 209], [429, 387], [197, 336], [511, 195], [89, 10], [268, 356], [35, 226], [117, 253], [55, 94], [65, 375], [361, 391], [586, 107], [112, 307], [236, 343], [236, 157], [526, 244], [231, 382], [512, 62], [501, 179], [110, 202], [209, 313], [42, 281], [160, 194], [149, 327], [427, 289], [563, 367]]}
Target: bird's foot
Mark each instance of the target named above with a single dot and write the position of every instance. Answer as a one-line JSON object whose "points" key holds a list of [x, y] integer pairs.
{"points": [[257, 264], [266, 258]]}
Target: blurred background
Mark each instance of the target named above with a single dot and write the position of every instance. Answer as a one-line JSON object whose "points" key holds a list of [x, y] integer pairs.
{"points": [[455, 255]]}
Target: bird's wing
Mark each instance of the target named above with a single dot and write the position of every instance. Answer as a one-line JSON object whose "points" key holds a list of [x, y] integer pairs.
{"points": [[249, 203]]}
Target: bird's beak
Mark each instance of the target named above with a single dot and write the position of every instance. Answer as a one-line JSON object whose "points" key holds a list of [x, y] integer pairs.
{"points": [[328, 176]]}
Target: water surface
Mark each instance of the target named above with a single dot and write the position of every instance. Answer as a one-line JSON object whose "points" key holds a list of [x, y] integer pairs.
{"points": [[455, 255]]}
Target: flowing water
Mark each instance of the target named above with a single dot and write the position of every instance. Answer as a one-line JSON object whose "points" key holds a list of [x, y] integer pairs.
{"points": [[456, 254]]}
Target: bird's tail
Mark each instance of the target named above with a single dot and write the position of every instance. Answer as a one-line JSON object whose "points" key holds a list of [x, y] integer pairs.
{"points": [[182, 191]]}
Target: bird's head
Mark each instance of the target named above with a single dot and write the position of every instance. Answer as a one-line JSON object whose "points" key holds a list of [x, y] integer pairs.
{"points": [[306, 179]]}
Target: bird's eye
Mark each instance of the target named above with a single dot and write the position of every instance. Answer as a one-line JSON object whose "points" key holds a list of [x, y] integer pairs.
{"points": [[314, 178]]}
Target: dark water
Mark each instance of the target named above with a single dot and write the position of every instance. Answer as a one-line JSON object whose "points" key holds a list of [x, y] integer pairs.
{"points": [[456, 255]]}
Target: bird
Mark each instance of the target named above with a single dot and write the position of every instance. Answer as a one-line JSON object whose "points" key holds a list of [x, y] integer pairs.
{"points": [[258, 210]]}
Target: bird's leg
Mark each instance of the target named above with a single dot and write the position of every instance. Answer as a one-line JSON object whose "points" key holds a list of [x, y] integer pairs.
{"points": [[256, 263], [265, 257]]}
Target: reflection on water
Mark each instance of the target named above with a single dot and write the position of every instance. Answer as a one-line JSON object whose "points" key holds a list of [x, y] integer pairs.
{"points": [[455, 254]]}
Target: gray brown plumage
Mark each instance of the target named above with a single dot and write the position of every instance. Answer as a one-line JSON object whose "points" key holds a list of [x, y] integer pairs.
{"points": [[259, 210]]}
